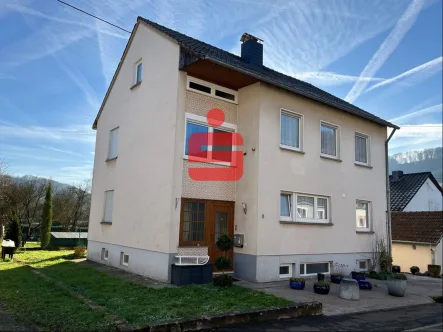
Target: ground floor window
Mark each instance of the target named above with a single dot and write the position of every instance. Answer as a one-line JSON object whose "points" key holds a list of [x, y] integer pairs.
{"points": [[285, 270], [314, 268], [363, 265]]}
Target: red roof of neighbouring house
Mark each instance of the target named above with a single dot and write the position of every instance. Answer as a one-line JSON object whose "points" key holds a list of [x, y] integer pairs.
{"points": [[422, 226]]}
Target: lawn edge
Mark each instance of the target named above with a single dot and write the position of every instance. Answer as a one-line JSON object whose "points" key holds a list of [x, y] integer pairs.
{"points": [[226, 319]]}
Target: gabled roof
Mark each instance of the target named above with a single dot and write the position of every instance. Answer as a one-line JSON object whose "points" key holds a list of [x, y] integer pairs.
{"points": [[405, 188], [208, 52], [262, 73], [423, 226], [69, 235]]}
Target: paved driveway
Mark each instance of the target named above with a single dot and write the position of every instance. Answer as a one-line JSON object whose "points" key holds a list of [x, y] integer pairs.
{"points": [[419, 291]]}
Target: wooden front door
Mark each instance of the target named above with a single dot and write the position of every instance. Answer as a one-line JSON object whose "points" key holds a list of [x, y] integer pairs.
{"points": [[221, 222], [203, 221]]}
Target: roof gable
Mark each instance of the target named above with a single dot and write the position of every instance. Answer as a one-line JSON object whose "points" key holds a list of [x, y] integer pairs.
{"points": [[420, 227], [404, 189]]}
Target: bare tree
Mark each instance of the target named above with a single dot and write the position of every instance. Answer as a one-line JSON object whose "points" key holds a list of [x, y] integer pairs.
{"points": [[72, 204], [24, 199], [378, 247]]}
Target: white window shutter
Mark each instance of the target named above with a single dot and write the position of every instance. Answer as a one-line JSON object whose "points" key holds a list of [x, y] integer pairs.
{"points": [[113, 144], [109, 202]]}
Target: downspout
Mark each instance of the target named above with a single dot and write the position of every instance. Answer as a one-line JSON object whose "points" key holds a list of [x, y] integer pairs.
{"points": [[388, 195]]}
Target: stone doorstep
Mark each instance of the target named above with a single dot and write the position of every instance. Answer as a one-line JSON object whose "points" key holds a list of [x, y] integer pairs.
{"points": [[258, 315]]}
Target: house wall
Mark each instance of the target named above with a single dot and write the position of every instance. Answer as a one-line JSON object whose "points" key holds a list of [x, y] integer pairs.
{"points": [[405, 256], [199, 104], [281, 170], [143, 175], [427, 198]]}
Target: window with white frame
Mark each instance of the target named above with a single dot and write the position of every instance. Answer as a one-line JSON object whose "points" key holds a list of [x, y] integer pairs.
{"points": [[307, 269], [363, 214], [105, 254], [109, 202], [210, 89], [329, 140], [304, 207], [361, 149], [291, 125], [113, 144], [209, 144], [124, 259], [363, 265], [285, 270], [138, 71]]}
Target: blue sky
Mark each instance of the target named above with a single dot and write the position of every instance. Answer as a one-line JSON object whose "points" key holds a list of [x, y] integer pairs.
{"points": [[56, 63]]}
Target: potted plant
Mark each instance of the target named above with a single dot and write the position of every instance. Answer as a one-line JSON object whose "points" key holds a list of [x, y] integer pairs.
{"points": [[297, 283], [224, 243], [337, 273], [358, 275], [434, 270], [322, 287], [414, 269], [396, 284]]}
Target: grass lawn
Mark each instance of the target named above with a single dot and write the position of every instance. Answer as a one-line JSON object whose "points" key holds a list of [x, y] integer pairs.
{"points": [[141, 305]]}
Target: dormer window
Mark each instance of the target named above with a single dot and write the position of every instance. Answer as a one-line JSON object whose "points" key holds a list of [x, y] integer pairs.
{"points": [[210, 89]]}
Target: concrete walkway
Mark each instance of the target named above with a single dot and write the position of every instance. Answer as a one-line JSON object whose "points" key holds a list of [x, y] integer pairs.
{"points": [[419, 291], [427, 317]]}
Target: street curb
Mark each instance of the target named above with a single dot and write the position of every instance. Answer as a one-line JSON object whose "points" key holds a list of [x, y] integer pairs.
{"points": [[258, 315]]}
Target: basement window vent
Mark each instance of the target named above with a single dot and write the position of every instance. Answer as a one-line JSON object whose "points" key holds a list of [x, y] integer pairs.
{"points": [[124, 259], [105, 254]]}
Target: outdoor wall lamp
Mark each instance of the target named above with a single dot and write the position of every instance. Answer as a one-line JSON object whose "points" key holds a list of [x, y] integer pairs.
{"points": [[245, 208]]}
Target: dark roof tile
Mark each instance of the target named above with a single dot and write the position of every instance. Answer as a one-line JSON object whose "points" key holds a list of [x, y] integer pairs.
{"points": [[209, 52], [423, 226]]}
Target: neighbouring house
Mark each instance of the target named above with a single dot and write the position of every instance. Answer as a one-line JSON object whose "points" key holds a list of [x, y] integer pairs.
{"points": [[415, 192], [313, 189], [417, 239]]}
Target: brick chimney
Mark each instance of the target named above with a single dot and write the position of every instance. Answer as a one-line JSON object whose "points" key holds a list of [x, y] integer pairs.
{"points": [[396, 175], [252, 49]]}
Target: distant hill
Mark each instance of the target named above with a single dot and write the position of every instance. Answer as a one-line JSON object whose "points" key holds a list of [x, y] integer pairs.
{"points": [[419, 161], [55, 184]]}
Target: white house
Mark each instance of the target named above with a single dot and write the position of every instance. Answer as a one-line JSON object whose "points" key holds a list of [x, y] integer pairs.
{"points": [[313, 187]]}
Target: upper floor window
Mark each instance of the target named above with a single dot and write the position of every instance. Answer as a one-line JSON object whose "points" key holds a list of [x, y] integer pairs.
{"points": [[290, 130], [211, 144], [329, 140], [109, 206], [362, 214], [113, 144], [138, 71], [361, 149], [304, 208], [210, 89]]}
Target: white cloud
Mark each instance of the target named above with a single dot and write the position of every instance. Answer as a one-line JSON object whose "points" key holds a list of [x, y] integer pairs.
{"points": [[387, 48], [414, 114], [416, 135], [412, 76], [51, 148], [332, 79], [71, 133]]}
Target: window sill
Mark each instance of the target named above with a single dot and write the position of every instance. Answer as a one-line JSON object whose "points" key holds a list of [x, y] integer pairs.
{"points": [[135, 85], [331, 158], [198, 160], [362, 165], [307, 223], [288, 148], [110, 159], [365, 231], [106, 222]]}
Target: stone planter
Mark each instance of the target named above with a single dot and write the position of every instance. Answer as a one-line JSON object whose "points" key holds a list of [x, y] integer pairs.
{"points": [[298, 285], [336, 279], [396, 287]]}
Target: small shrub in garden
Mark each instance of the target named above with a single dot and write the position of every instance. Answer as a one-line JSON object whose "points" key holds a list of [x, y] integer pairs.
{"points": [[323, 283], [398, 276], [414, 269], [224, 243], [222, 280], [297, 279]]}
